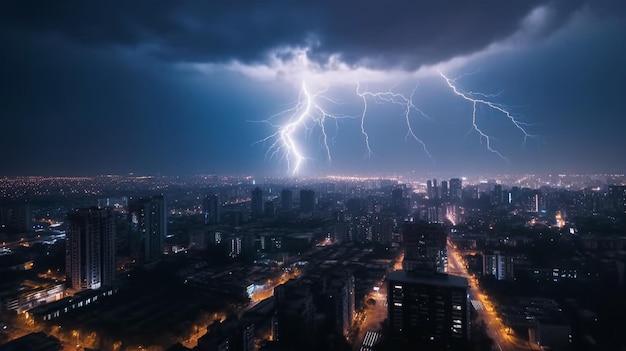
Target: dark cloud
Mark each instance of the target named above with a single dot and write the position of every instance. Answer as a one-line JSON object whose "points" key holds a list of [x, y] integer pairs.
{"points": [[371, 32]]}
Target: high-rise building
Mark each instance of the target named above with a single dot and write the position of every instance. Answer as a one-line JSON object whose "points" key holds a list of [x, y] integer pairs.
{"points": [[286, 200], [445, 192], [425, 247], [307, 200], [428, 311], [340, 289], [90, 250], [211, 209], [398, 202], [256, 204], [294, 318], [148, 226], [497, 195], [382, 228], [456, 189], [429, 189]]}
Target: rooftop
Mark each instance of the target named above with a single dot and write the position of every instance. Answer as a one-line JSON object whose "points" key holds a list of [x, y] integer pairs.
{"points": [[438, 279]]}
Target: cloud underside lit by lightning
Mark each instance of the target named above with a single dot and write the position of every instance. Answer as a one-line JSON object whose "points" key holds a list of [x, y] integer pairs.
{"points": [[309, 112]]}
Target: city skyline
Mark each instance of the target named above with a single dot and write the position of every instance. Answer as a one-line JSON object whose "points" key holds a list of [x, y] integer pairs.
{"points": [[199, 88], [513, 263]]}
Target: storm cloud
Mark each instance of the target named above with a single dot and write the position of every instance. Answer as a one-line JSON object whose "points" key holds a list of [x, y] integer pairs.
{"points": [[372, 33], [92, 87]]}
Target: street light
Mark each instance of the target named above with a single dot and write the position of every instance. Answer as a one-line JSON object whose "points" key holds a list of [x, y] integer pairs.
{"points": [[76, 333]]}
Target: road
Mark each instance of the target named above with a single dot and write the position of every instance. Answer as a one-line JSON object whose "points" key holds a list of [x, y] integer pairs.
{"points": [[370, 318], [496, 330]]}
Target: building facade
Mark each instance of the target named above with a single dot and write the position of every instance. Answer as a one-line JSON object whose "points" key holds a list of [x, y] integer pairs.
{"points": [[257, 203], [425, 248], [148, 226], [211, 209], [90, 250], [428, 311]]}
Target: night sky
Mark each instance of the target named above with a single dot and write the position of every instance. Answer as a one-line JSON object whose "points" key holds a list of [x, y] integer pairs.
{"points": [[179, 87]]}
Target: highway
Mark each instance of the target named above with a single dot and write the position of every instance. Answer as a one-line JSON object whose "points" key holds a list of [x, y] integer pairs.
{"points": [[496, 330]]}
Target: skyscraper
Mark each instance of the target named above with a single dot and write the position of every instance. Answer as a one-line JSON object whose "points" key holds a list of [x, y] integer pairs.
{"points": [[429, 189], [286, 200], [90, 250], [456, 189], [340, 289], [294, 318], [425, 247], [445, 192], [211, 209], [148, 226], [428, 311], [257, 203], [398, 202]]}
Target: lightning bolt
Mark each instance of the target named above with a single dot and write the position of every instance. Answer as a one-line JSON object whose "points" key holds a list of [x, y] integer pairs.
{"points": [[308, 113], [471, 97], [397, 99], [304, 115]]}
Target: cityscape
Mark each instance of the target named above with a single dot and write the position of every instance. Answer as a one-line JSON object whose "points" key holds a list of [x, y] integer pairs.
{"points": [[213, 262], [308, 175]]}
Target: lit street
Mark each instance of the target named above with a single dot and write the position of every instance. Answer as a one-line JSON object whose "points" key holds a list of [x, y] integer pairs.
{"points": [[372, 316], [503, 340]]}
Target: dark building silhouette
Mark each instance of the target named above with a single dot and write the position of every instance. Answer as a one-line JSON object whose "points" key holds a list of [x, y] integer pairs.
{"points": [[429, 189], [340, 290], [228, 335], [148, 226], [617, 197], [257, 203], [33, 342], [398, 201], [307, 200], [445, 192], [497, 195], [15, 217], [211, 209], [356, 205], [428, 311], [425, 248], [269, 209], [293, 324], [286, 200], [90, 250]]}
